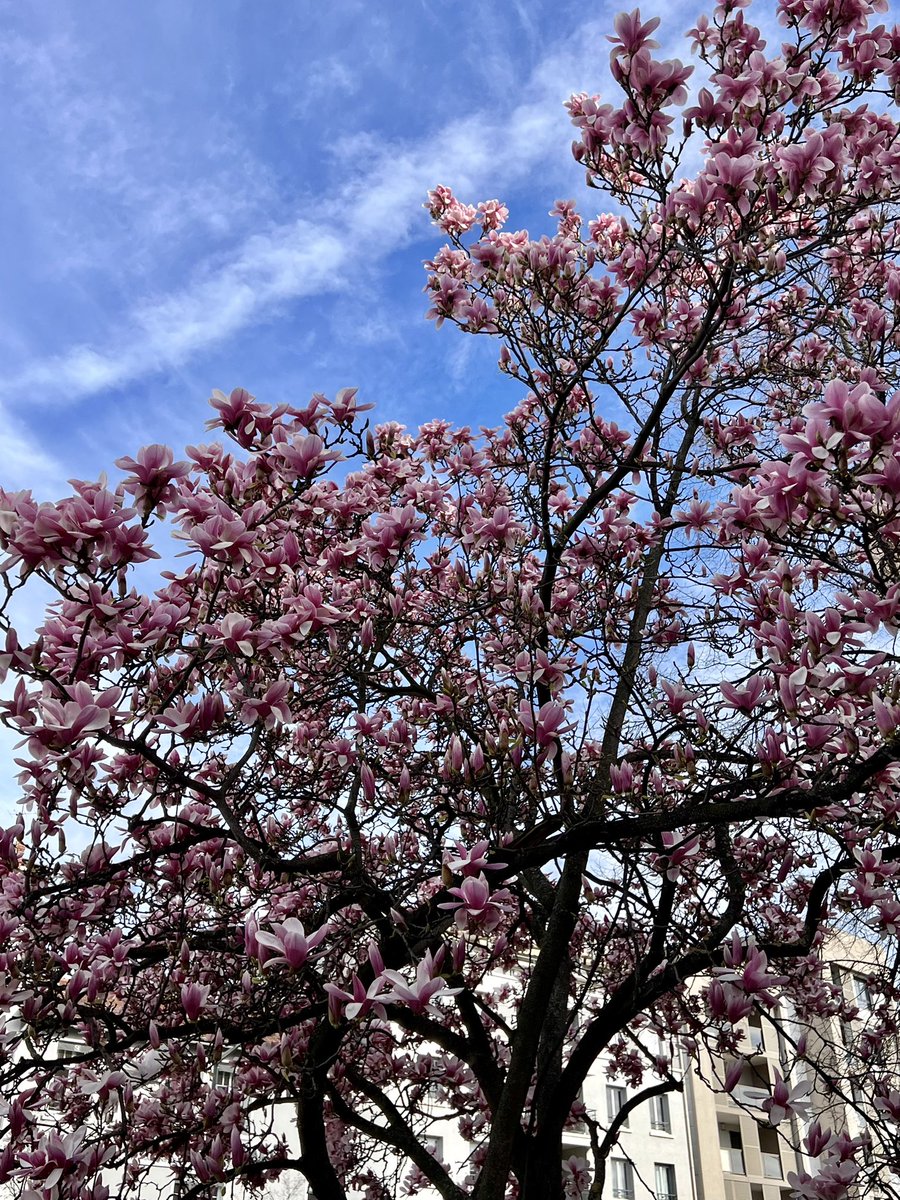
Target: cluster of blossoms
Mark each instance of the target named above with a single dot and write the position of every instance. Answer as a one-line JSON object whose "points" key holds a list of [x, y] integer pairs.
{"points": [[593, 715]]}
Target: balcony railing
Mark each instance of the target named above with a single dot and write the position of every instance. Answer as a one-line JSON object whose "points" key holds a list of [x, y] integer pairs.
{"points": [[733, 1161], [772, 1166], [753, 1097]]}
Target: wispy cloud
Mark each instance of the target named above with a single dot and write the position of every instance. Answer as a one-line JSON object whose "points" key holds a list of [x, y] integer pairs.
{"points": [[290, 261], [375, 212], [121, 190], [26, 463]]}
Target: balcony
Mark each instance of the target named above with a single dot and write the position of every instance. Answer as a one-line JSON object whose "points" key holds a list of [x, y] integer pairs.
{"points": [[751, 1097]]}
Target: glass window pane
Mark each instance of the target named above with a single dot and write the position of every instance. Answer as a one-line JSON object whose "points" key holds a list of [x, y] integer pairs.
{"points": [[665, 1182], [622, 1179], [615, 1098], [660, 1117], [435, 1146]]}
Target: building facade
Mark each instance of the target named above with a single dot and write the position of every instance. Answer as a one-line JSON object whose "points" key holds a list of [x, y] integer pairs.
{"points": [[690, 1143]]}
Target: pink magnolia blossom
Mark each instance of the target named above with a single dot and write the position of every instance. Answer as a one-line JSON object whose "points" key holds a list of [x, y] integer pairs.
{"points": [[679, 850], [726, 1002], [745, 698], [471, 860], [750, 972], [805, 166], [545, 726], [421, 993], [151, 476], [636, 640], [193, 999], [64, 722], [290, 942], [356, 1003], [733, 1074], [632, 34], [787, 1101], [477, 906], [271, 708]]}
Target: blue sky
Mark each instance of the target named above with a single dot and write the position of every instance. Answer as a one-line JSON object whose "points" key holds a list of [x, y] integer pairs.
{"points": [[211, 193], [202, 195]]}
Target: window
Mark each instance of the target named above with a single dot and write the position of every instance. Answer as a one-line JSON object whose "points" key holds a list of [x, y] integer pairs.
{"points": [[66, 1050], [732, 1150], [771, 1165], [770, 1153], [755, 1033], [615, 1099], [666, 1188], [622, 1179], [861, 993], [435, 1147], [223, 1075], [660, 1117]]}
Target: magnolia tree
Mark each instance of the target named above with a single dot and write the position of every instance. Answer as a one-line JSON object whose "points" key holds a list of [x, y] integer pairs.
{"points": [[454, 764]]}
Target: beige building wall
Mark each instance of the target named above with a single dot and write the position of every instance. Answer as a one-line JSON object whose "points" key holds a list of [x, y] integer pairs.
{"points": [[739, 1155]]}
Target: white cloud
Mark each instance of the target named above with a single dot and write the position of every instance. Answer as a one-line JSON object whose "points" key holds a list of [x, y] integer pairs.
{"points": [[25, 463], [294, 260], [121, 191], [379, 208]]}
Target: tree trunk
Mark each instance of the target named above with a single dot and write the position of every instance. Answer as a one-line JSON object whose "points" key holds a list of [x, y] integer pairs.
{"points": [[542, 1176]]}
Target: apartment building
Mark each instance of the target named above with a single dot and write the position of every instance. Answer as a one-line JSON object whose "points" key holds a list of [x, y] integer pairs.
{"points": [[738, 1154], [653, 1159], [693, 1144], [690, 1144], [705, 1144]]}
